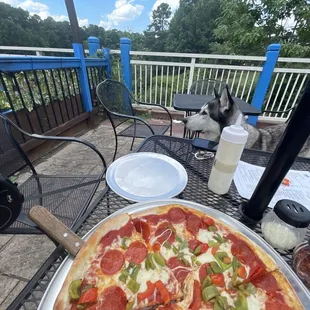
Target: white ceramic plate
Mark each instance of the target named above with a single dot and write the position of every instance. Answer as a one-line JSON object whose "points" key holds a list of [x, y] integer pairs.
{"points": [[146, 176]]}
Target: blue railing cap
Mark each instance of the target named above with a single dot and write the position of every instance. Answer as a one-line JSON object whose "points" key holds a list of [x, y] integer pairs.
{"points": [[93, 40], [274, 47], [125, 41]]}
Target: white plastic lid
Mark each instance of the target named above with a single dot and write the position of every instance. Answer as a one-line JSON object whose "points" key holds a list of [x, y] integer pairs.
{"points": [[235, 133]]}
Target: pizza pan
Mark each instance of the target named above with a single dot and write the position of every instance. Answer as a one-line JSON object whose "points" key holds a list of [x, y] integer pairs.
{"points": [[55, 285]]}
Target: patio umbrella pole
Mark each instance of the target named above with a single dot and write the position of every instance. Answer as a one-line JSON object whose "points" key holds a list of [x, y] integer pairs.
{"points": [[76, 35], [292, 141]]}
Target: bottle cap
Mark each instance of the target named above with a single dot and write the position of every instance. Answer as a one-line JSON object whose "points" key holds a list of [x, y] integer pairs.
{"points": [[235, 133], [292, 213]]}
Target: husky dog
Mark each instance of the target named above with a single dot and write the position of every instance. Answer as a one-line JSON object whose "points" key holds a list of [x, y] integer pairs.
{"points": [[222, 111]]}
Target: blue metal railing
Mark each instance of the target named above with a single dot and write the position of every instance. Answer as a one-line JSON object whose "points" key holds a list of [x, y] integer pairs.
{"points": [[43, 92]]}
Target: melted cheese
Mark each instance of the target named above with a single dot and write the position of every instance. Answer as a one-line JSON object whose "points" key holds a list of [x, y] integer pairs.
{"points": [[166, 253], [206, 257], [226, 247], [153, 276], [227, 276], [230, 300], [256, 302], [205, 236]]}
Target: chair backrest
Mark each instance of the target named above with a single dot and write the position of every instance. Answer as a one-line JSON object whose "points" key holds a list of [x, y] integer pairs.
{"points": [[115, 97], [206, 87], [12, 157]]}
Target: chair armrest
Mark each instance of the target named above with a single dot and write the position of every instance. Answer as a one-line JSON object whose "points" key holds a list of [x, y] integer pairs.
{"points": [[70, 139], [135, 118]]}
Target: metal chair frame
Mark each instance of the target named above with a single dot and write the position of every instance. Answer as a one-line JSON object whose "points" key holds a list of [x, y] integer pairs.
{"points": [[131, 114]]}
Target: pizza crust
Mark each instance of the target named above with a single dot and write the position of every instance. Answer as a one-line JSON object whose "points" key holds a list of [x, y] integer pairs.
{"points": [[81, 262], [289, 295]]}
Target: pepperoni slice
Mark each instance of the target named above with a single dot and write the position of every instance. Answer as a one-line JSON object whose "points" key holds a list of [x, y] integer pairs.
{"points": [[143, 228], [196, 304], [126, 230], [242, 251], [176, 265], [112, 261], [193, 224], [203, 272], [165, 232], [113, 298], [193, 244], [136, 253], [108, 238], [177, 215], [266, 282], [276, 301]]}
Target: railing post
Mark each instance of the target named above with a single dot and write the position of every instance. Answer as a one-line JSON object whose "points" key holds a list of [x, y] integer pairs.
{"points": [[93, 45], [125, 62], [272, 55], [83, 78], [106, 56], [191, 74]]}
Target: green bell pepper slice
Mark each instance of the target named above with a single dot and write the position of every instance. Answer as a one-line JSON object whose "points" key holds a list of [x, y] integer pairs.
{"points": [[75, 289], [241, 302], [159, 259], [220, 303], [215, 267], [206, 282], [209, 293], [133, 285], [219, 256]]}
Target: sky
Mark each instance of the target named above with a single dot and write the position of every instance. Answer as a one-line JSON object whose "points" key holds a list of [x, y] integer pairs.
{"points": [[131, 15]]}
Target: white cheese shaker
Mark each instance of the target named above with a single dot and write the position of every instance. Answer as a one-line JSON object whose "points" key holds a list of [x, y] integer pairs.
{"points": [[231, 145]]}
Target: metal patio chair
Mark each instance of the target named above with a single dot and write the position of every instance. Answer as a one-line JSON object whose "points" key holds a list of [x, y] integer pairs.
{"points": [[117, 101], [206, 87], [66, 196]]}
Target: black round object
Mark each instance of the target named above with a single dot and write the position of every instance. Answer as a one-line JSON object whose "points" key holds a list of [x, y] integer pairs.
{"points": [[11, 201], [292, 213]]}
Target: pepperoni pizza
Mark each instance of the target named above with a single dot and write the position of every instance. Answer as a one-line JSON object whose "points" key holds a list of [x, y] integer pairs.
{"points": [[172, 258]]}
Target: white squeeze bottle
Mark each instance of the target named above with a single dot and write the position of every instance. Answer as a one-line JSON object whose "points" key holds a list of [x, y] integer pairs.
{"points": [[232, 142]]}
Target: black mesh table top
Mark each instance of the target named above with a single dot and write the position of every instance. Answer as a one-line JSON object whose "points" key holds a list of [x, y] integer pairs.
{"points": [[193, 103], [196, 190]]}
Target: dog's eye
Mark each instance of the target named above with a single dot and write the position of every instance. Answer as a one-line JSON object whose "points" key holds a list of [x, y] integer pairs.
{"points": [[204, 113]]}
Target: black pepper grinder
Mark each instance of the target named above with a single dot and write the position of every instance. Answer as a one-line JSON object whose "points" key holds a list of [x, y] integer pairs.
{"points": [[292, 141]]}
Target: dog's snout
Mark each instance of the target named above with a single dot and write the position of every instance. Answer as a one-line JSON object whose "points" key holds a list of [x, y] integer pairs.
{"points": [[184, 120]]}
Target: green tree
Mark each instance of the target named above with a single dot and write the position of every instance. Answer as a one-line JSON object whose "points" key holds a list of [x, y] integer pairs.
{"points": [[247, 27], [191, 28], [157, 32]]}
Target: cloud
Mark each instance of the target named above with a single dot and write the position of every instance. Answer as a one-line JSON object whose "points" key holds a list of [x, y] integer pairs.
{"points": [[42, 10], [11, 2], [125, 10], [32, 6], [83, 22]]}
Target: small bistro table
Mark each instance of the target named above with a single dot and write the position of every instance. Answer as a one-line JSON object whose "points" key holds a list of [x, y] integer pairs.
{"points": [[193, 103], [196, 190]]}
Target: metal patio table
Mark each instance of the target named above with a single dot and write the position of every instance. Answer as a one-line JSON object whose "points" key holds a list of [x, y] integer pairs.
{"points": [[193, 103], [196, 190]]}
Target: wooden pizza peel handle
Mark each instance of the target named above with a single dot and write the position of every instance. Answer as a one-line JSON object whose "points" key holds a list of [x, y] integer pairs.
{"points": [[55, 229]]}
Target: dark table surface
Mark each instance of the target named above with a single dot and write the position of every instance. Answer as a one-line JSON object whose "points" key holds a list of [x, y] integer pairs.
{"points": [[193, 103], [196, 190]]}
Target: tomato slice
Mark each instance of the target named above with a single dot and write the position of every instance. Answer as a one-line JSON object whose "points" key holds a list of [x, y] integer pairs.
{"points": [[164, 293], [218, 279], [241, 272], [204, 248], [89, 296], [214, 249], [148, 292], [207, 220]]}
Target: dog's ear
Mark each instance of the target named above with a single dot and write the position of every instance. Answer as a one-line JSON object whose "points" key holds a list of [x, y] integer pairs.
{"points": [[216, 94], [226, 100]]}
